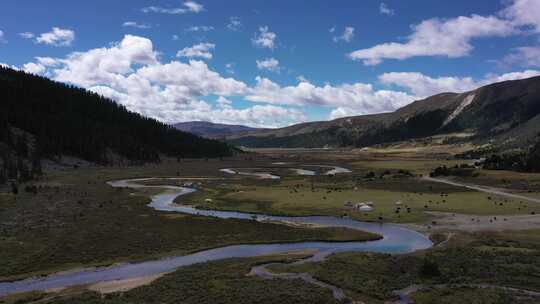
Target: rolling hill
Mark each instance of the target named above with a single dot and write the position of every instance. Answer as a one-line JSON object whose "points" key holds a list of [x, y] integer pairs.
{"points": [[213, 130], [507, 113]]}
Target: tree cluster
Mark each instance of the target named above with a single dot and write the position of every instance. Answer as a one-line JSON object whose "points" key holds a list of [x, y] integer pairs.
{"points": [[463, 170], [19, 157], [524, 161]]}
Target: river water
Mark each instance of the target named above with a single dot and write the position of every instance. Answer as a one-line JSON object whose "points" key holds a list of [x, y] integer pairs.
{"points": [[331, 170], [395, 239]]}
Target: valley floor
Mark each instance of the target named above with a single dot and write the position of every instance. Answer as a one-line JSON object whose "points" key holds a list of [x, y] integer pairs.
{"points": [[76, 220]]}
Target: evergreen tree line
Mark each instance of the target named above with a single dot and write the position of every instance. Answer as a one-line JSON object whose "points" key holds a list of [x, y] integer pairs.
{"points": [[19, 158], [66, 120], [463, 170], [528, 161]]}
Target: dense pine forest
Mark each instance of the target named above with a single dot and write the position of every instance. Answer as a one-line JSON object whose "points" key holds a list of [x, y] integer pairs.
{"points": [[40, 118]]}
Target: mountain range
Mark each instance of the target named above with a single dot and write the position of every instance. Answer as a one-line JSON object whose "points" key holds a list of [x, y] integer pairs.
{"points": [[506, 113], [43, 118], [213, 130]]}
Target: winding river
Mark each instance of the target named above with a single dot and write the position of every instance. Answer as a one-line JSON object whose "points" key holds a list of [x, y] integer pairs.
{"points": [[395, 239]]}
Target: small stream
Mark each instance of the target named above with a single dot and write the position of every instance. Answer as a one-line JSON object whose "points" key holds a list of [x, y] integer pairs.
{"points": [[331, 170], [395, 239]]}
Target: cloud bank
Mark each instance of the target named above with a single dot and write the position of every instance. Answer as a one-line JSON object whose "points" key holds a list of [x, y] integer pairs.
{"points": [[131, 73]]}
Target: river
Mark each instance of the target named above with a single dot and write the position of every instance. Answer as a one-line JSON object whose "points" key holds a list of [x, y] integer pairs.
{"points": [[395, 239]]}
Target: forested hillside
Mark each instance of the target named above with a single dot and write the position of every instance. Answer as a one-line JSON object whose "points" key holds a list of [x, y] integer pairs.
{"points": [[40, 118]]}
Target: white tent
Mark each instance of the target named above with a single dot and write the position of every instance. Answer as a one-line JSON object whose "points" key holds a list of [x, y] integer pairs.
{"points": [[365, 208]]}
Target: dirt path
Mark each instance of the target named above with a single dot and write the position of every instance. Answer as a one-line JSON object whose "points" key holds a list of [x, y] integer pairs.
{"points": [[485, 189]]}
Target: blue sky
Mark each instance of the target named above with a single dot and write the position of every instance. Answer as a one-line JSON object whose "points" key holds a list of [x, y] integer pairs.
{"points": [[271, 63]]}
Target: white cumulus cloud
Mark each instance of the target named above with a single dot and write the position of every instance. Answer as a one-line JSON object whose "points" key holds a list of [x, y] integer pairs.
{"points": [[57, 37], [188, 7], [491, 78], [27, 35], [360, 97], [424, 86], [223, 102], [136, 25], [269, 64], [437, 37], [40, 66], [385, 10], [200, 28], [33, 68], [528, 56], [265, 116], [201, 50], [234, 23], [264, 38], [131, 73], [347, 36], [48, 61], [229, 67], [106, 65], [524, 13]]}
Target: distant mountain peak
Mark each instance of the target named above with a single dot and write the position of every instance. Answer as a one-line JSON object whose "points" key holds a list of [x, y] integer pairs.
{"points": [[213, 130]]}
